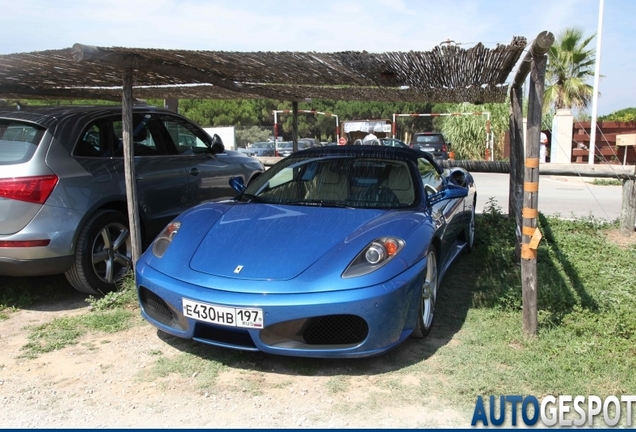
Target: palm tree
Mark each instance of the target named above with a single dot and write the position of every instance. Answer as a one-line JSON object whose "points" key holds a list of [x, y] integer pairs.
{"points": [[570, 63]]}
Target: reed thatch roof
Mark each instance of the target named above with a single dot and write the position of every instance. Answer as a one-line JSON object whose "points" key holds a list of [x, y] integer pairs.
{"points": [[447, 73]]}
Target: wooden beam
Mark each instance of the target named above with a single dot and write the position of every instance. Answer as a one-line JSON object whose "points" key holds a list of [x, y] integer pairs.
{"points": [[87, 53], [18, 92], [540, 46], [129, 166]]}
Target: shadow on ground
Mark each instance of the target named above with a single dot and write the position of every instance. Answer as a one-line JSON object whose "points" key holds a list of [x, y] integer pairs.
{"points": [[40, 293]]}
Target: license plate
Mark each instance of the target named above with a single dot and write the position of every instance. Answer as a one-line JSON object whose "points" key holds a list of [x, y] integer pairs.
{"points": [[223, 315], [428, 149]]}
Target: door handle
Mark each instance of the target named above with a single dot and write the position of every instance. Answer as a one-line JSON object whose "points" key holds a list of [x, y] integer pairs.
{"points": [[194, 172]]}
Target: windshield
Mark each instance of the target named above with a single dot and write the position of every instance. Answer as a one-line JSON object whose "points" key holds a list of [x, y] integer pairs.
{"points": [[261, 145], [335, 181]]}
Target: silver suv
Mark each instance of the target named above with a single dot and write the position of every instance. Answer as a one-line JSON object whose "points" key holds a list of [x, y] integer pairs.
{"points": [[432, 142], [62, 187]]}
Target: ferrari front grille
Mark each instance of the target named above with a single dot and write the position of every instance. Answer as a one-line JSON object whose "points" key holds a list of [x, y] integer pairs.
{"points": [[335, 330], [155, 307]]}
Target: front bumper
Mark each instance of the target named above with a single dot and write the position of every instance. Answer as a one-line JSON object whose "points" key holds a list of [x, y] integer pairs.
{"points": [[351, 323]]}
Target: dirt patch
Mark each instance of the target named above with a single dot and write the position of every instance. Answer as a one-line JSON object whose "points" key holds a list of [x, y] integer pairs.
{"points": [[624, 241], [110, 380]]}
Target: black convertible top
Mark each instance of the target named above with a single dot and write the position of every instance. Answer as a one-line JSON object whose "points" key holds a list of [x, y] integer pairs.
{"points": [[370, 151]]}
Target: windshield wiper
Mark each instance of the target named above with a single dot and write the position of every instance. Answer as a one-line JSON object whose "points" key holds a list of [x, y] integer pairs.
{"points": [[318, 203], [249, 198]]}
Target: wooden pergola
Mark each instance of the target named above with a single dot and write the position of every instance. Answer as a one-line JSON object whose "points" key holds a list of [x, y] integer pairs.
{"points": [[447, 73]]}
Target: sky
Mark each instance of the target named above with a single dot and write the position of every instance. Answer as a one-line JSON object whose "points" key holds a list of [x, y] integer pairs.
{"points": [[326, 26]]}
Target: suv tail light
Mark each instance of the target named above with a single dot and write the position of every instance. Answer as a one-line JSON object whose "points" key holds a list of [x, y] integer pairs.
{"points": [[31, 189], [24, 243], [444, 148]]}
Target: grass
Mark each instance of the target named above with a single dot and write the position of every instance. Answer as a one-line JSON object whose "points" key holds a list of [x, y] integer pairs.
{"points": [[337, 384], [109, 314], [607, 182], [586, 293], [200, 368]]}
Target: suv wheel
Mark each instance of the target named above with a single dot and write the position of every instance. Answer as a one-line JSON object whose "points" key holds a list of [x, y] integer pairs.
{"points": [[103, 254]]}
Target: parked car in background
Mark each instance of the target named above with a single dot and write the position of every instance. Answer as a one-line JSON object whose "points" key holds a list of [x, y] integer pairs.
{"points": [[287, 147], [313, 142], [263, 149], [279, 145], [386, 225], [63, 195], [393, 142], [432, 142], [246, 152]]}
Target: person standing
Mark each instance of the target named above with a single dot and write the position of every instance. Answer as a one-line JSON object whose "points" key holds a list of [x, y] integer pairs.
{"points": [[543, 147], [369, 137]]}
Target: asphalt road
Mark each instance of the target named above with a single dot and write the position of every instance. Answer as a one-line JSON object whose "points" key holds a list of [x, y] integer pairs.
{"points": [[567, 196]]}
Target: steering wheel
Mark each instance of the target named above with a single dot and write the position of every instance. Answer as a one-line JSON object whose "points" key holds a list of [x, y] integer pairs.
{"points": [[377, 195]]}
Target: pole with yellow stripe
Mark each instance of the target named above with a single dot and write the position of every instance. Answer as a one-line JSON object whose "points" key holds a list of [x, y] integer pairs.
{"points": [[530, 234]]}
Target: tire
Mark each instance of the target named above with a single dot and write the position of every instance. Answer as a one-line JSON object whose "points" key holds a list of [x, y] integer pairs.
{"points": [[428, 297], [103, 254], [470, 233]]}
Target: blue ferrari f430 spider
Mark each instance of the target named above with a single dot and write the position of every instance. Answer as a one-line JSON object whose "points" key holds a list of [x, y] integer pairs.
{"points": [[333, 252]]}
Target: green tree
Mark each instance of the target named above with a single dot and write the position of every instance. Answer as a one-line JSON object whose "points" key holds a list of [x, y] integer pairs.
{"points": [[623, 115], [467, 133], [570, 64], [250, 135]]}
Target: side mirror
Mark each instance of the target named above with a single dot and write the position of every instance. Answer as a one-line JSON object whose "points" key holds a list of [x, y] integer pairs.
{"points": [[216, 145], [237, 183], [450, 191]]}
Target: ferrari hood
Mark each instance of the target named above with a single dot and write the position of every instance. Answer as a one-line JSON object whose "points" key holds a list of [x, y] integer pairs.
{"points": [[273, 242]]}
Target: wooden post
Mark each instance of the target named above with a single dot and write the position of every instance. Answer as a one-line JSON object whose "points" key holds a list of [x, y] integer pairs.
{"points": [[294, 126], [172, 104], [529, 230], [129, 166], [534, 63], [515, 193], [628, 207]]}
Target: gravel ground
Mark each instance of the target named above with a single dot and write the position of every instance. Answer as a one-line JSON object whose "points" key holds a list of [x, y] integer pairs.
{"points": [[105, 381]]}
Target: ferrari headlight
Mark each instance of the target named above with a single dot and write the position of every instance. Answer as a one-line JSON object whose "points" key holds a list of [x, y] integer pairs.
{"points": [[374, 256], [375, 253], [163, 240]]}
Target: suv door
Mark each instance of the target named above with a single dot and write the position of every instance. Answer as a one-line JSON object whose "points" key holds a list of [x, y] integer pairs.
{"points": [[208, 174], [161, 178]]}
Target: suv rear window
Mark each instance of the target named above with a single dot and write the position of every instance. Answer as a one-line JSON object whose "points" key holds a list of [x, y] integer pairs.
{"points": [[429, 139], [18, 141]]}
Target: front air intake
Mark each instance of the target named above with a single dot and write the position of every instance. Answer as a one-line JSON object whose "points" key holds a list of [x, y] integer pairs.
{"points": [[336, 330]]}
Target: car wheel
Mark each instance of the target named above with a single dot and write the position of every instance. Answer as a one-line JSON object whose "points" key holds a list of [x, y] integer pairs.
{"points": [[103, 254], [470, 233], [428, 297]]}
